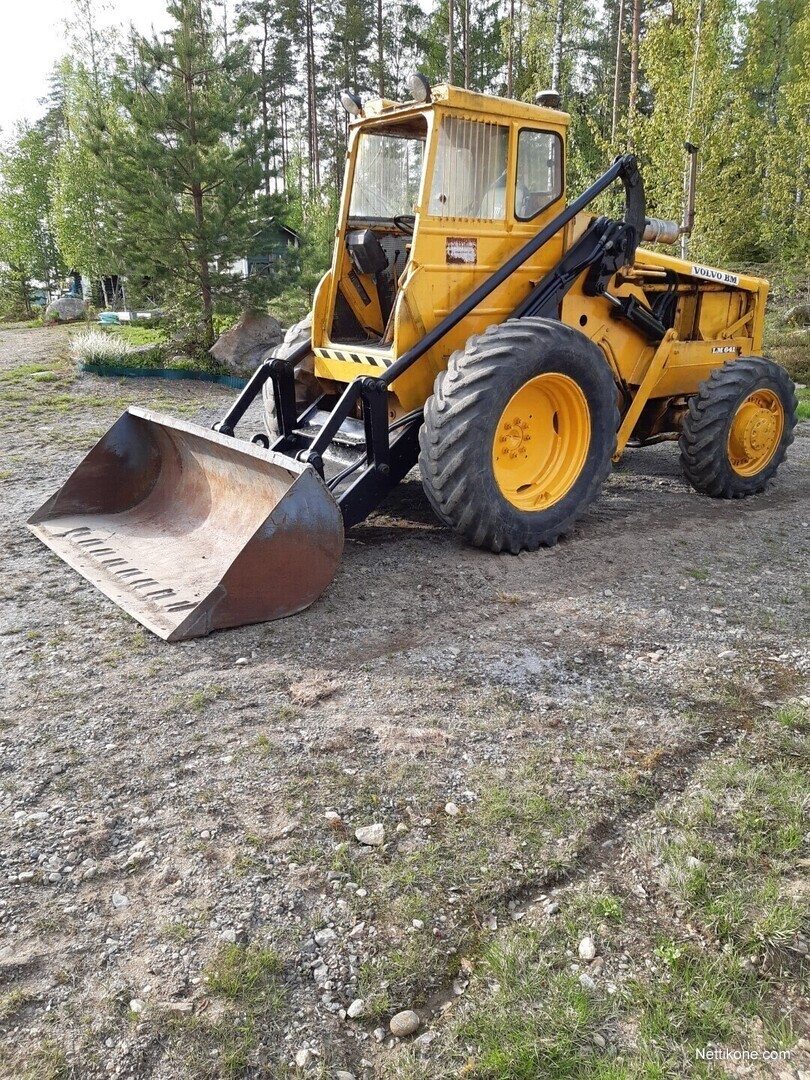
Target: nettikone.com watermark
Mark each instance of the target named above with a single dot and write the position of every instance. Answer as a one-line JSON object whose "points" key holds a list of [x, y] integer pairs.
{"points": [[722, 1053]]}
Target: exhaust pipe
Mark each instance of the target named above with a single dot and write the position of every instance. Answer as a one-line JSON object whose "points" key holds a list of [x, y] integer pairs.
{"points": [[690, 187], [662, 231]]}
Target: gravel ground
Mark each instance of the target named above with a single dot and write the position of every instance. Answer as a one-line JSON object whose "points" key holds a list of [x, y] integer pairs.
{"points": [[497, 715]]}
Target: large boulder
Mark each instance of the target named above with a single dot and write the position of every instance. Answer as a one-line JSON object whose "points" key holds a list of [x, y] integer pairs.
{"points": [[66, 309], [799, 315], [243, 347]]}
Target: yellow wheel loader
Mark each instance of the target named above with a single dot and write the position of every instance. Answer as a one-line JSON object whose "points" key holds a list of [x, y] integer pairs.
{"points": [[474, 322]]}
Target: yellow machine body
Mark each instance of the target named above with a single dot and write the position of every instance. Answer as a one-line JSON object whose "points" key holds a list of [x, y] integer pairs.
{"points": [[719, 315]]}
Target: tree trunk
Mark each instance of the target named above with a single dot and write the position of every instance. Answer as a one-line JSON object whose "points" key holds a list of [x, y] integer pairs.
{"points": [[634, 58], [380, 48], [465, 30], [203, 271], [450, 42], [617, 79], [265, 110], [511, 49], [312, 102], [284, 126], [556, 56]]}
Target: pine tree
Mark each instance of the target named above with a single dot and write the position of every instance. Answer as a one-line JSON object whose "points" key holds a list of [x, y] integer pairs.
{"points": [[185, 159]]}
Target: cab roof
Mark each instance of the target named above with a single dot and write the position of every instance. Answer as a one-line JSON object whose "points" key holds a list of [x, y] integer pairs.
{"points": [[453, 97]]}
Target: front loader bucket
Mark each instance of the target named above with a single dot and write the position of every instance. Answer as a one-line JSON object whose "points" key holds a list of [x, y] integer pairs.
{"points": [[191, 531]]}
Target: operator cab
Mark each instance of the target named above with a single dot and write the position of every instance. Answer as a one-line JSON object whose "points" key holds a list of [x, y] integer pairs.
{"points": [[385, 189]]}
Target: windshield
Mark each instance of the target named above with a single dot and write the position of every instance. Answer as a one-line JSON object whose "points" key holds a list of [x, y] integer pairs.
{"points": [[387, 175]]}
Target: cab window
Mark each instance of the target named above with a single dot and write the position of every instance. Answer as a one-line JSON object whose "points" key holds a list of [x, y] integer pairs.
{"points": [[469, 179], [538, 177]]}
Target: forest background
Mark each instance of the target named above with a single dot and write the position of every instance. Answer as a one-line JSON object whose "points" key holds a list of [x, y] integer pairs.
{"points": [[161, 159]]}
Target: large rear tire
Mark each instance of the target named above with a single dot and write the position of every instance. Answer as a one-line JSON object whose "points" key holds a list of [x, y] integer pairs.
{"points": [[306, 385], [738, 428], [519, 434]]}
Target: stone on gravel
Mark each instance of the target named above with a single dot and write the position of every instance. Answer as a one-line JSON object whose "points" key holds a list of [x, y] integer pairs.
{"points": [[66, 309], [344, 1074], [373, 835], [587, 948], [136, 1005], [451, 809], [120, 900], [304, 1058], [243, 347], [323, 937], [404, 1023], [586, 982], [356, 1008]]}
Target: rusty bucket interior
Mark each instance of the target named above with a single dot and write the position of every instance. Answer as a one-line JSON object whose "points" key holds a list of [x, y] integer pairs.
{"points": [[190, 531]]}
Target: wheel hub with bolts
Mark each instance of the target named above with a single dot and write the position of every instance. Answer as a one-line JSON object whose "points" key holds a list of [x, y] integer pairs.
{"points": [[541, 441], [756, 429]]}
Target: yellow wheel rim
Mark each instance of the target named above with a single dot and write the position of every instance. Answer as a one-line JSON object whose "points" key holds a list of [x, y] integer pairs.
{"points": [[541, 442], [756, 431]]}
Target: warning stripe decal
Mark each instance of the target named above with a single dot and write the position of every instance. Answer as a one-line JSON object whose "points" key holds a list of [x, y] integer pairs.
{"points": [[354, 358]]}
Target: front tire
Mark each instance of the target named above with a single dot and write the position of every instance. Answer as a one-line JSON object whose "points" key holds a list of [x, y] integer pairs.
{"points": [[738, 428], [519, 434]]}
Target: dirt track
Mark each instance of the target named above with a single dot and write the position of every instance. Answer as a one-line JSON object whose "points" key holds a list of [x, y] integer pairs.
{"points": [[429, 673]]}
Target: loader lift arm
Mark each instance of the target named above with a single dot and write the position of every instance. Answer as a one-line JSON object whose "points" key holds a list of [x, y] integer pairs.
{"points": [[390, 452]]}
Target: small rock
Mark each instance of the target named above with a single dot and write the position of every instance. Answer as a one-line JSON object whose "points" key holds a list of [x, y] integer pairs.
{"points": [[404, 1023], [229, 935], [552, 908], [323, 937], [136, 1005], [451, 809], [587, 948], [599, 1040], [304, 1058], [333, 817], [727, 654], [119, 900], [242, 660], [356, 1008], [417, 924], [26, 875], [379, 1034], [587, 982], [402, 828], [373, 835], [424, 1040], [597, 967], [344, 1074]]}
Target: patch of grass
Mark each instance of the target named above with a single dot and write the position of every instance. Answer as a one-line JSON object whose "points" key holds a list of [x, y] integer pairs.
{"points": [[96, 347], [733, 864], [538, 1022], [12, 1002], [248, 976], [698, 573], [47, 1062], [178, 932], [220, 1044], [804, 403]]}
